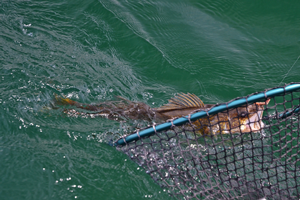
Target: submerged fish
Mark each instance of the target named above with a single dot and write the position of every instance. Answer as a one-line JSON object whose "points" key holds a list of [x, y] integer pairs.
{"points": [[236, 120]]}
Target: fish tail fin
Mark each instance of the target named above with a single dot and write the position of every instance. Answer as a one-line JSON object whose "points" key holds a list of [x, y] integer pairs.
{"points": [[58, 100], [63, 101]]}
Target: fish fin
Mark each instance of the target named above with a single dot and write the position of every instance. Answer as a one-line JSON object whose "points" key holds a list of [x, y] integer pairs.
{"points": [[182, 100], [63, 101], [58, 100]]}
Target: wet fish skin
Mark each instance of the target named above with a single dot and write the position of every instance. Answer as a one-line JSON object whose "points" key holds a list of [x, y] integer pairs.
{"points": [[243, 119]]}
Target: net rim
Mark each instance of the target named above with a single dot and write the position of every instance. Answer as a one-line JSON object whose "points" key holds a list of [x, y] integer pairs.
{"points": [[213, 110]]}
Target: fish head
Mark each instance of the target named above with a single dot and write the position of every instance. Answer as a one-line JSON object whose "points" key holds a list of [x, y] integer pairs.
{"points": [[247, 118]]}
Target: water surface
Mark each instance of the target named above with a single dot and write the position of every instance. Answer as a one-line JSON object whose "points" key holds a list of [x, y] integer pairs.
{"points": [[146, 51]]}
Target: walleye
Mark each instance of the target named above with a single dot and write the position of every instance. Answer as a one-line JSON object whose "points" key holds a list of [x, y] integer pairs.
{"points": [[243, 119]]}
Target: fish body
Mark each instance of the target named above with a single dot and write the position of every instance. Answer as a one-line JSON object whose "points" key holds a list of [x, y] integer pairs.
{"points": [[236, 120]]}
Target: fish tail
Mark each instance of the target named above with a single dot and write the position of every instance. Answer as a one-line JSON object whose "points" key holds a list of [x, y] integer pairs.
{"points": [[63, 101], [114, 110], [58, 100]]}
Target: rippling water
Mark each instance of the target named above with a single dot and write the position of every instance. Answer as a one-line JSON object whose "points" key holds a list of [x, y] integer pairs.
{"points": [[145, 51]]}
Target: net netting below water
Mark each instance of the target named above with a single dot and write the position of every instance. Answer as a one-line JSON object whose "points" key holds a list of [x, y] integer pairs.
{"points": [[247, 148]]}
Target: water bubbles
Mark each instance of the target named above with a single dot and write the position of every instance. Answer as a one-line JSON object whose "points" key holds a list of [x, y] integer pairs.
{"points": [[68, 133], [22, 120], [147, 95], [23, 26], [70, 95]]}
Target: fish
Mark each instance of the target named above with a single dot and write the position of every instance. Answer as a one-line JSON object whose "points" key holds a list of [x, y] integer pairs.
{"points": [[243, 119]]}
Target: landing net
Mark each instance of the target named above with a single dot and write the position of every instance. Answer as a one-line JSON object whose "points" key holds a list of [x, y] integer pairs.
{"points": [[191, 163]]}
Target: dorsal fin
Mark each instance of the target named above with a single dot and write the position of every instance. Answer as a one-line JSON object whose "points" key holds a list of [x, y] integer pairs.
{"points": [[182, 100]]}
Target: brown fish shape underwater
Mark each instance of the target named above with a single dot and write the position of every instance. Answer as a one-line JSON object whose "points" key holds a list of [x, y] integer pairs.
{"points": [[243, 119]]}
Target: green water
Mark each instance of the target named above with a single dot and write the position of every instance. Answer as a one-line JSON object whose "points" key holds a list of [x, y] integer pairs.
{"points": [[145, 51]]}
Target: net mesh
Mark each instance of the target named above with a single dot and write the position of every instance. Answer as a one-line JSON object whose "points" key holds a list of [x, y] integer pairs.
{"points": [[193, 163]]}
